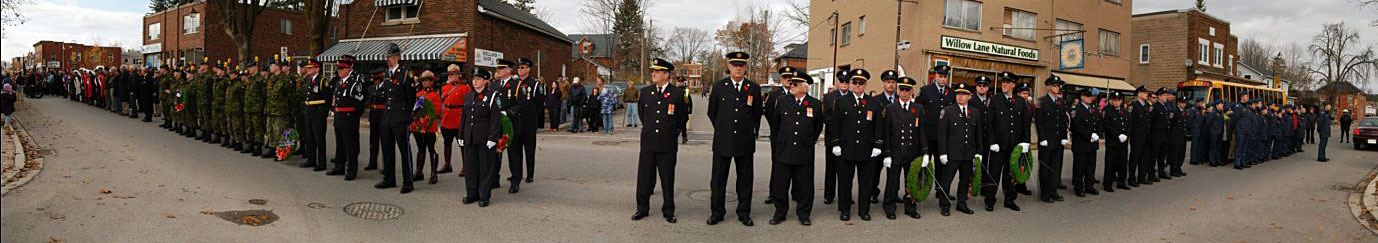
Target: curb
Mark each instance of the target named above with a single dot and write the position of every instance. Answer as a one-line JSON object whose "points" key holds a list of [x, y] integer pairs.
{"points": [[1363, 202], [21, 156], [1370, 202]]}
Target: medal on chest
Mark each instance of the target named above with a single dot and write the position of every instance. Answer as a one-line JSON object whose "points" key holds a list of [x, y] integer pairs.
{"points": [[670, 109], [749, 99], [868, 115], [808, 111]]}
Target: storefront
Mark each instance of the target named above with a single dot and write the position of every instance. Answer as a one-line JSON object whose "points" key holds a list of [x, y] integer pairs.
{"points": [[430, 52]]}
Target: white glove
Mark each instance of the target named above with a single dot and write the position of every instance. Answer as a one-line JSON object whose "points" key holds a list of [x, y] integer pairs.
{"points": [[491, 144], [1123, 138], [886, 161], [504, 113], [875, 152], [995, 148], [837, 150], [1095, 138], [461, 142], [1066, 142], [1043, 143], [943, 159], [979, 157], [926, 158], [1024, 147]]}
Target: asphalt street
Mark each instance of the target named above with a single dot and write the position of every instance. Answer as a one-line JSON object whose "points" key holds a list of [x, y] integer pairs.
{"points": [[161, 183]]}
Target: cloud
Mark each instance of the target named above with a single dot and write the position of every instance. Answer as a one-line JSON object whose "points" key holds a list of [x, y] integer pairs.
{"points": [[68, 21]]}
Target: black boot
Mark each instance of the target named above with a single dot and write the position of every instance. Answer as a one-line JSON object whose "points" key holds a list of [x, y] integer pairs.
{"points": [[165, 124], [257, 150], [235, 146], [269, 152], [214, 138]]}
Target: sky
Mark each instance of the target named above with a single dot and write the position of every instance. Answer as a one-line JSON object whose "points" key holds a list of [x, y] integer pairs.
{"points": [[118, 22]]}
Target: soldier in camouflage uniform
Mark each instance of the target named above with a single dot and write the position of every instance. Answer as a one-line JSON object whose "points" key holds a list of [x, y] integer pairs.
{"points": [[253, 110], [174, 86], [217, 106], [162, 93], [203, 96], [190, 95], [275, 108], [233, 113]]}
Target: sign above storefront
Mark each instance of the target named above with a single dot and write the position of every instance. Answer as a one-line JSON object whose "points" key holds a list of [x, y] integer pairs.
{"points": [[983, 47], [486, 58]]}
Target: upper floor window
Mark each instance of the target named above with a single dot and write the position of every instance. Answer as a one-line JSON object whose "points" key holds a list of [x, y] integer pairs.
{"points": [[1109, 43], [963, 14], [1068, 30], [286, 26], [402, 12], [847, 33], [155, 30], [191, 23], [1020, 24]]}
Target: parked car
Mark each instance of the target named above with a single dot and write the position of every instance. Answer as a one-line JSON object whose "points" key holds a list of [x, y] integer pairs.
{"points": [[1366, 133]]}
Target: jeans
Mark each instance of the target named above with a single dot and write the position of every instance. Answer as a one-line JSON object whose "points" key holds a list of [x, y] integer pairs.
{"points": [[1320, 148], [564, 111], [7, 119], [632, 114], [607, 123]]}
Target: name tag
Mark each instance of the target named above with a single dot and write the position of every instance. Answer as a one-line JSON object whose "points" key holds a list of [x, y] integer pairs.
{"points": [[808, 111], [868, 115], [670, 109]]}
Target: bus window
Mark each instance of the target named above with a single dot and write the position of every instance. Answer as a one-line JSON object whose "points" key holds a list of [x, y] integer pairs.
{"points": [[1214, 95], [1192, 93]]}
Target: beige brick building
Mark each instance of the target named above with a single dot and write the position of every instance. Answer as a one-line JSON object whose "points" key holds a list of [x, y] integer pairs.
{"points": [[976, 38]]}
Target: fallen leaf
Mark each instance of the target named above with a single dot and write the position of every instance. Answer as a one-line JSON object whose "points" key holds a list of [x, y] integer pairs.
{"points": [[55, 240], [1229, 197], [1192, 208], [170, 216], [104, 191], [57, 216]]}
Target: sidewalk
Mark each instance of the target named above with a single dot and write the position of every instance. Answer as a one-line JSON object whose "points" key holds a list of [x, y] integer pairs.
{"points": [[20, 164]]}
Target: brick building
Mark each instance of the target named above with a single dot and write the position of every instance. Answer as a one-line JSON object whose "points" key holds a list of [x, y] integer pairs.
{"points": [[434, 34], [595, 52], [191, 32], [1184, 45], [69, 56]]}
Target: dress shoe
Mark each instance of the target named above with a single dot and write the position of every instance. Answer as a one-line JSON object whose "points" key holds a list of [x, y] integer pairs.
{"points": [[945, 212], [890, 215], [1092, 191], [319, 168], [964, 209], [874, 200], [1079, 194], [406, 189], [638, 216], [776, 220], [805, 222], [846, 216], [335, 172], [714, 220], [770, 200], [1164, 176], [1121, 187], [434, 179], [471, 200], [307, 165], [1108, 188], [914, 215], [514, 189], [444, 170], [1012, 206], [483, 204], [385, 185], [1025, 191], [1058, 198], [990, 207], [1046, 200], [671, 219], [371, 167], [1133, 184], [746, 221], [827, 201], [419, 176], [864, 216], [1061, 187], [349, 177], [528, 180]]}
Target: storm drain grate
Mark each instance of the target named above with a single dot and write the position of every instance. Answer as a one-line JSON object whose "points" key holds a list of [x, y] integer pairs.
{"points": [[373, 210]]}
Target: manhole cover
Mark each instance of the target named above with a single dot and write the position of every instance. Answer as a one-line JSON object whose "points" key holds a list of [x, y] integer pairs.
{"points": [[705, 195], [247, 217], [316, 205], [373, 210], [258, 201], [607, 143]]}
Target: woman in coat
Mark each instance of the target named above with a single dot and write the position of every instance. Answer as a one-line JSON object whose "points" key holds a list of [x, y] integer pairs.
{"points": [[425, 123]]}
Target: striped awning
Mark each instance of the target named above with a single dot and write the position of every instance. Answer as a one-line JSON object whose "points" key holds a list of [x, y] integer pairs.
{"points": [[384, 3], [420, 48]]}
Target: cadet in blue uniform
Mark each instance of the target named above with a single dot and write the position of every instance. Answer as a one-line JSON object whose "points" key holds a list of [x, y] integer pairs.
{"points": [[1052, 121], [1214, 130], [664, 111], [1196, 120], [1242, 118], [960, 143], [734, 108], [797, 120], [1085, 130], [903, 143], [1323, 129], [857, 117]]}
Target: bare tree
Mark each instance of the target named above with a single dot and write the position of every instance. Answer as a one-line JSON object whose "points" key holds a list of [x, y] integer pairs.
{"points": [[1256, 54], [1370, 3], [239, 18], [1298, 62], [10, 14], [688, 44], [756, 33], [318, 15], [798, 13], [1342, 59]]}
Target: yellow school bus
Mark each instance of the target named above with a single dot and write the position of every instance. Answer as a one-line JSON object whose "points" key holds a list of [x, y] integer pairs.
{"points": [[1210, 91]]}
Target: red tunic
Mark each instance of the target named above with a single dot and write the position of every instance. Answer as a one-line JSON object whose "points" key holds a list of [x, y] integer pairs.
{"points": [[453, 95], [427, 124]]}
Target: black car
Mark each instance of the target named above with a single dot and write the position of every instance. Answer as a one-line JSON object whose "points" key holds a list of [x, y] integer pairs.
{"points": [[1366, 133]]}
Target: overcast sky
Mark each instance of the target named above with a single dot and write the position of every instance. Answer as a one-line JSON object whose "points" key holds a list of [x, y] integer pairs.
{"points": [[118, 22]]}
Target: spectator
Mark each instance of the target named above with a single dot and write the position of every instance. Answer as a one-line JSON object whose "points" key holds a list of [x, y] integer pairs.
{"points": [[609, 103], [7, 99], [577, 96], [629, 97], [554, 103]]}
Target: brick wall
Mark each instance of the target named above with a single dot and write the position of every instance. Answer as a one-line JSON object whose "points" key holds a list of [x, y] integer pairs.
{"points": [[216, 44], [1199, 26], [1168, 50], [90, 56]]}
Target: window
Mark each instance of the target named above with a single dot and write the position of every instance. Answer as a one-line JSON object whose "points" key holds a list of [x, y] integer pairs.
{"points": [[963, 14], [286, 26], [1229, 64], [1212, 30], [861, 26], [1143, 54], [1203, 50], [334, 32], [1020, 24], [846, 33], [191, 23], [1113, 1], [405, 12], [155, 30], [1109, 43], [1068, 30], [1219, 54]]}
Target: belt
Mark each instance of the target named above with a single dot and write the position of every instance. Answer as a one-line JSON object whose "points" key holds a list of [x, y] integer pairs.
{"points": [[378, 106], [454, 106], [315, 102], [344, 109]]}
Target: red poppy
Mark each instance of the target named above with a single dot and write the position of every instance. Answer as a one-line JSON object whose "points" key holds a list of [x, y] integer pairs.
{"points": [[912, 110], [744, 88], [666, 94], [863, 102], [805, 102]]}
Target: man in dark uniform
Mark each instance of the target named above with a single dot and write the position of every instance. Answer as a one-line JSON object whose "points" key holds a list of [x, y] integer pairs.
{"points": [[1176, 136], [888, 94], [1023, 129], [933, 97], [522, 150], [959, 144], [903, 144], [771, 106], [1115, 127], [1052, 121], [1005, 112], [1140, 138], [1310, 125], [830, 160], [1159, 126], [1085, 134], [734, 108], [1214, 131], [506, 88], [147, 93], [1322, 124], [663, 111], [1242, 121], [857, 118], [349, 94], [376, 99], [317, 107], [796, 121], [400, 100]]}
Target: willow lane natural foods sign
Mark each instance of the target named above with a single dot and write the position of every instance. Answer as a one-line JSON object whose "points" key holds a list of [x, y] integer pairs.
{"points": [[976, 46]]}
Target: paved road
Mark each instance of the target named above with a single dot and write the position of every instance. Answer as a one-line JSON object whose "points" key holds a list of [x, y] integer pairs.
{"points": [[583, 192]]}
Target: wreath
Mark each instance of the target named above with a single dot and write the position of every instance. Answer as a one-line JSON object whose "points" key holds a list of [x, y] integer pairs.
{"points": [[287, 142], [179, 101], [919, 181], [975, 176], [507, 133], [1021, 165]]}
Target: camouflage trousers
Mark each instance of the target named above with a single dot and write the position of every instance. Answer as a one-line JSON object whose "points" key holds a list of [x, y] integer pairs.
{"points": [[277, 125], [253, 128], [234, 126], [203, 114]]}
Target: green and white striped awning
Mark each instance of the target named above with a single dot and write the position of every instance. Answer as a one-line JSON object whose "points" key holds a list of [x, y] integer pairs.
{"points": [[415, 48]]}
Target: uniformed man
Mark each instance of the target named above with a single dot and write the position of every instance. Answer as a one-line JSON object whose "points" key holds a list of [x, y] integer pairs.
{"points": [[276, 111], [254, 98], [1196, 120], [377, 98], [317, 108], [796, 120], [960, 144], [771, 106], [1140, 138], [734, 108], [1085, 130], [1242, 118], [933, 98], [903, 144], [234, 109], [400, 100], [1024, 129], [348, 96], [1323, 129], [482, 127], [889, 94], [530, 103], [1160, 126], [830, 161], [205, 81], [165, 96], [217, 105], [1005, 111], [1176, 136], [1215, 133], [1115, 127], [857, 117], [1052, 121], [663, 111]]}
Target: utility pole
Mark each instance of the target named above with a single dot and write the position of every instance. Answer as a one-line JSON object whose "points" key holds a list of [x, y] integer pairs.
{"points": [[834, 43]]}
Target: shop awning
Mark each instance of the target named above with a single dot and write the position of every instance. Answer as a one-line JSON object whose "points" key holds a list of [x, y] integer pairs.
{"points": [[1092, 81], [449, 47], [384, 3]]}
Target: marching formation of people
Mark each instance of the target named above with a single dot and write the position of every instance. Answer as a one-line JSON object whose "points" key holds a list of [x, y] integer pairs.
{"points": [[915, 138]]}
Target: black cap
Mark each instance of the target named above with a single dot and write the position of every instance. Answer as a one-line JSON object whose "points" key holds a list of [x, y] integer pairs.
{"points": [[662, 65], [983, 80], [787, 72], [1161, 91], [961, 88], [738, 58], [940, 69], [889, 75], [1141, 89], [1089, 92], [1007, 76], [802, 77], [844, 75], [860, 74], [393, 49], [525, 61], [483, 73], [1053, 80], [504, 64], [346, 61], [1021, 88], [906, 82]]}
